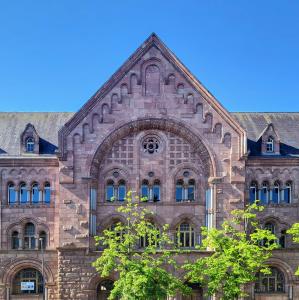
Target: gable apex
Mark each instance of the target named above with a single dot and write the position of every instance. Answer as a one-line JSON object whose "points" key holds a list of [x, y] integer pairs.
{"points": [[152, 42]]}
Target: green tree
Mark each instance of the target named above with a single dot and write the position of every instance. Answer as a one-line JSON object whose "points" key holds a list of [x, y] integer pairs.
{"points": [[294, 231], [142, 273], [239, 249]]}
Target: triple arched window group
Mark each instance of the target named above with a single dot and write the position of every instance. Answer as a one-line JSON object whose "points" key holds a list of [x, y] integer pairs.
{"points": [[24, 194], [28, 238], [184, 235], [267, 194], [151, 191]]}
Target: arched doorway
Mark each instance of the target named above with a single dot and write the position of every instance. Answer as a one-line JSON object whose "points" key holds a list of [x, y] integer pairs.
{"points": [[27, 284], [104, 288], [197, 293]]}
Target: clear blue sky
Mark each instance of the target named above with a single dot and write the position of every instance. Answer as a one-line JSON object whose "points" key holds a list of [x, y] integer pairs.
{"points": [[55, 54]]}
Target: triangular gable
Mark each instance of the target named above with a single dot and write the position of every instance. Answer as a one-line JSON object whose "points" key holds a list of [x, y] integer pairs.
{"points": [[152, 41]]}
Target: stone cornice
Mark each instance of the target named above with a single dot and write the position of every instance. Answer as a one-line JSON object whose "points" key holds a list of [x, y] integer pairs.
{"points": [[272, 161], [29, 162]]}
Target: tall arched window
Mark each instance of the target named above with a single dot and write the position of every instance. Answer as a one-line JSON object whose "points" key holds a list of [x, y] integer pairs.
{"points": [[23, 193], [253, 192], [185, 236], [28, 275], [121, 195], [150, 239], [47, 193], [29, 236], [179, 191], [110, 190], [276, 193], [265, 193], [145, 190], [156, 191], [288, 192], [42, 240], [35, 194], [270, 283], [282, 238], [30, 145], [190, 190], [270, 227], [12, 194], [15, 240], [270, 145]]}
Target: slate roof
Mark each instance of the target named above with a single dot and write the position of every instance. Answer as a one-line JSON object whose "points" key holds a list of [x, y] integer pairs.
{"points": [[47, 125], [285, 124]]}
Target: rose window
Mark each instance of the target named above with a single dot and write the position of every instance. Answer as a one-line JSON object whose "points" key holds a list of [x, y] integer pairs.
{"points": [[151, 145]]}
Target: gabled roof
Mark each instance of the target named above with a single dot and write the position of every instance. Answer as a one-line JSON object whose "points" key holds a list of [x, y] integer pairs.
{"points": [[152, 40], [286, 125], [47, 125]]}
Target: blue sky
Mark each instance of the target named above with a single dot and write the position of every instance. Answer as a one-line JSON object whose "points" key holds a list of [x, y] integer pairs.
{"points": [[55, 54]]}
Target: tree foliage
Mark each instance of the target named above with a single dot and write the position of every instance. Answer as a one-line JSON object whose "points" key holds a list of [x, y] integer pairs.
{"points": [[239, 249], [142, 273], [294, 231]]}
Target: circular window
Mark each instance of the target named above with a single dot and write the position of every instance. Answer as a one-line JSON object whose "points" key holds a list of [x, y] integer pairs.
{"points": [[151, 145]]}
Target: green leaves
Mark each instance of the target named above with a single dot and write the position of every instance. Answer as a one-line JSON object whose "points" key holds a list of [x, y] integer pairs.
{"points": [[139, 252], [240, 249], [294, 231]]}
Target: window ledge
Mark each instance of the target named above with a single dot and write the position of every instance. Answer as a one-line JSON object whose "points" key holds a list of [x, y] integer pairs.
{"points": [[27, 205]]}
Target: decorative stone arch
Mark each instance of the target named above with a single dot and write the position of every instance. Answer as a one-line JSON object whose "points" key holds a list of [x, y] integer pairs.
{"points": [[284, 267], [12, 268], [164, 124], [191, 218], [110, 219], [156, 219]]}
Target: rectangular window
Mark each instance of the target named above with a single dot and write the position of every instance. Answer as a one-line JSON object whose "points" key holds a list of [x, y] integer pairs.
{"points": [[179, 193]]}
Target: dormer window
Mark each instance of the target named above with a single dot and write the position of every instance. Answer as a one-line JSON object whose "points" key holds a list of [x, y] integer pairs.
{"points": [[30, 145], [270, 145]]}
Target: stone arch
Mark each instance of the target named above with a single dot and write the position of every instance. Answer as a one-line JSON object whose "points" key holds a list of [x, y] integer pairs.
{"points": [[185, 217], [283, 267], [110, 219], [164, 124], [12, 268]]}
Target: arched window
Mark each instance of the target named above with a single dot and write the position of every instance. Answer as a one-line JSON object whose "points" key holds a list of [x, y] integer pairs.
{"points": [[47, 193], [253, 195], [104, 289], [288, 192], [23, 193], [179, 191], [156, 191], [185, 236], [190, 190], [270, 227], [42, 240], [265, 193], [15, 240], [270, 145], [110, 190], [35, 193], [29, 236], [30, 145], [150, 239], [197, 292], [28, 275], [270, 283], [276, 193], [145, 190], [282, 238], [121, 195], [12, 194]]}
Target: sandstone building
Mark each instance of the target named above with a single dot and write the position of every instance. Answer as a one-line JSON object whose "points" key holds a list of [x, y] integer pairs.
{"points": [[152, 127]]}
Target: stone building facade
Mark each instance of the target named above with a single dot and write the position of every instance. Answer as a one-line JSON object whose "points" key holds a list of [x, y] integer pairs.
{"points": [[152, 127]]}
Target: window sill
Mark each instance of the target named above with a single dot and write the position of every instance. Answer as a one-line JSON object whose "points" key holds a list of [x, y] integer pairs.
{"points": [[28, 205]]}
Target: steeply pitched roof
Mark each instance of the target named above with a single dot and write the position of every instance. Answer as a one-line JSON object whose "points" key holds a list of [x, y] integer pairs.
{"points": [[47, 125], [285, 124], [12, 125]]}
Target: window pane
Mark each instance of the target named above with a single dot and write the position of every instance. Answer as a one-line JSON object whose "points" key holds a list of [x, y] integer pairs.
{"points": [[144, 191], [47, 194], [109, 192], [191, 192], [23, 194], [264, 195], [287, 195], [179, 193], [35, 194], [156, 193], [12, 195], [252, 194], [275, 195], [121, 192]]}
